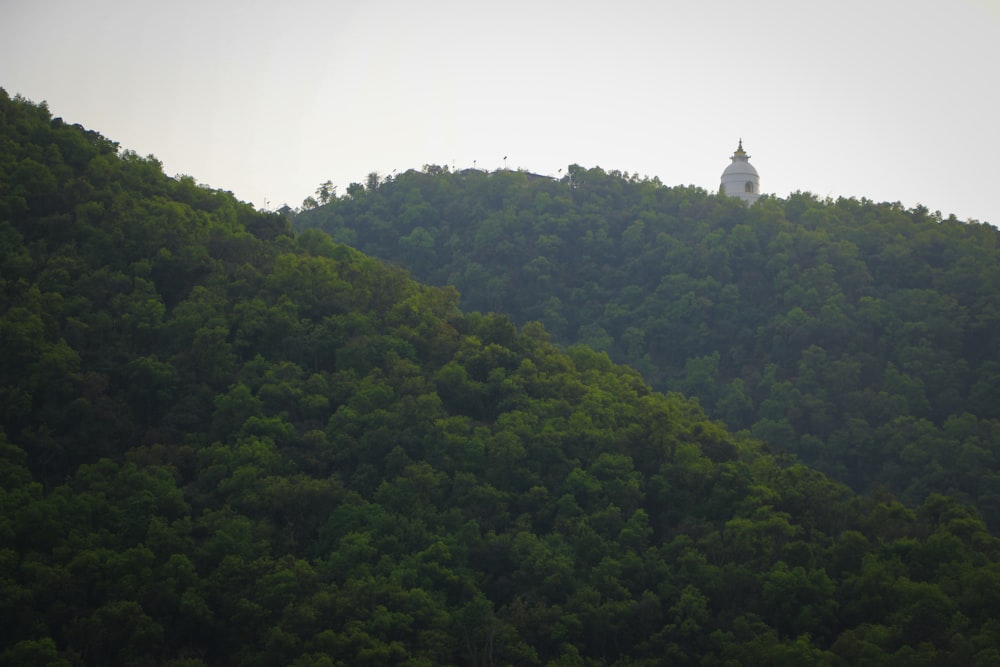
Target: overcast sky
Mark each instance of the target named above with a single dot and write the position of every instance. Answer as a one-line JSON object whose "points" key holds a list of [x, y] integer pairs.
{"points": [[893, 100]]}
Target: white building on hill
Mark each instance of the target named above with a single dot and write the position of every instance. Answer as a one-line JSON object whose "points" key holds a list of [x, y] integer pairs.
{"points": [[740, 179]]}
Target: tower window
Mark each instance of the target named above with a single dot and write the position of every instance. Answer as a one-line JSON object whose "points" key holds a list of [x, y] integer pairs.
{"points": [[748, 187]]}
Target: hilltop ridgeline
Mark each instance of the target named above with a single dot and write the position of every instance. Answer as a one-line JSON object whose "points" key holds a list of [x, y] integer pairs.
{"points": [[863, 337]]}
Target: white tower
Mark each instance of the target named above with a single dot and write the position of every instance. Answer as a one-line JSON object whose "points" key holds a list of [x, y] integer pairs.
{"points": [[740, 179]]}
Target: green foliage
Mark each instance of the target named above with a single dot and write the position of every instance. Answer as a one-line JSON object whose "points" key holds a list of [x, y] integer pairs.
{"points": [[827, 328], [225, 445]]}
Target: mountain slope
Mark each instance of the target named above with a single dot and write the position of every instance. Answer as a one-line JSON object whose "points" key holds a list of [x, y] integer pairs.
{"points": [[863, 337], [224, 444]]}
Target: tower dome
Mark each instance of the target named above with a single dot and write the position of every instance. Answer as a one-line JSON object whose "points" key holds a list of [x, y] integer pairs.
{"points": [[740, 179]]}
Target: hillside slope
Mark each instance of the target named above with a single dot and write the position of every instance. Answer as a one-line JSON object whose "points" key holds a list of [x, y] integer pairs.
{"points": [[863, 337], [224, 444]]}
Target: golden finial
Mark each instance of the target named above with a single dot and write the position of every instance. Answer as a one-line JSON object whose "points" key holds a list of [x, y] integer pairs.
{"points": [[739, 150]]}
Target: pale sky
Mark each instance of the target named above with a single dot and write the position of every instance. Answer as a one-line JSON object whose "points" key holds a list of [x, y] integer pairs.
{"points": [[893, 100]]}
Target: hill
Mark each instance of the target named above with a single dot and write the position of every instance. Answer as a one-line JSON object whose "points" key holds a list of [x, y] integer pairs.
{"points": [[225, 444], [862, 337]]}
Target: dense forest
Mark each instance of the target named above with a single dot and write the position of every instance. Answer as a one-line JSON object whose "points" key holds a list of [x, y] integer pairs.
{"points": [[227, 444], [862, 337]]}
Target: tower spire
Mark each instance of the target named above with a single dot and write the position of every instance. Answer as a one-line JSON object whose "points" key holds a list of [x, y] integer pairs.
{"points": [[740, 153]]}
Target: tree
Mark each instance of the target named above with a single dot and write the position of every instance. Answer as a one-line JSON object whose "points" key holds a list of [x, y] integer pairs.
{"points": [[326, 192]]}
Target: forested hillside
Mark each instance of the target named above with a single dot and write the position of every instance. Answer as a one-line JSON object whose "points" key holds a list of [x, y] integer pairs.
{"points": [[863, 337], [224, 444]]}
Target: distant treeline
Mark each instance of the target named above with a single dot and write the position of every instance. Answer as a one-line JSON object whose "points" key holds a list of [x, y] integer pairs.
{"points": [[863, 337]]}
